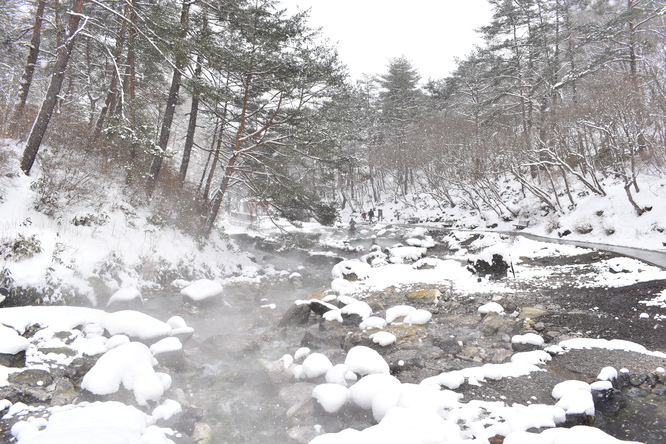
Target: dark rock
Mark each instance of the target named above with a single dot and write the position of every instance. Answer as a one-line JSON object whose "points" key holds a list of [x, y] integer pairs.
{"points": [[577, 419], [609, 402], [520, 348], [319, 307], [495, 323], [497, 269], [351, 319], [64, 393], [31, 377], [637, 379], [298, 314], [318, 339], [17, 360], [449, 346]]}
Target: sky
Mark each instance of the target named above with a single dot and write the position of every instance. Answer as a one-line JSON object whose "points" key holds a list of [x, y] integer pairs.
{"points": [[368, 33]]}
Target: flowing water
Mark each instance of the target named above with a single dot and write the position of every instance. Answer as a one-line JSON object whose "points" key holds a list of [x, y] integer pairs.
{"points": [[235, 337]]}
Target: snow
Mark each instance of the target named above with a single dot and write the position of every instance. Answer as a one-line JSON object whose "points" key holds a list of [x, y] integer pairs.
{"points": [[125, 295], [332, 397], [98, 422], [364, 391], [383, 338], [364, 361], [316, 364], [418, 317], [346, 268], [607, 374], [166, 345], [372, 322], [490, 307], [135, 324], [359, 308], [398, 311], [167, 409], [129, 365], [528, 338], [10, 341], [202, 289]]}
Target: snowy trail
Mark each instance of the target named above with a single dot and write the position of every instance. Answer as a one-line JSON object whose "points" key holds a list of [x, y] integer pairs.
{"points": [[652, 257]]}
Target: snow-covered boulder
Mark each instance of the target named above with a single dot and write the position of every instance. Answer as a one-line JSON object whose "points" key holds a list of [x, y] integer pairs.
{"points": [[201, 290]]}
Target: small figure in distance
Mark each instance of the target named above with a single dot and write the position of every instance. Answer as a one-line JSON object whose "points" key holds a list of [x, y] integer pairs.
{"points": [[371, 214], [352, 227]]}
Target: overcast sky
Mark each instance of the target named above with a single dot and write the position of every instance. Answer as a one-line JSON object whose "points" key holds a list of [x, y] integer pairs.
{"points": [[429, 33]]}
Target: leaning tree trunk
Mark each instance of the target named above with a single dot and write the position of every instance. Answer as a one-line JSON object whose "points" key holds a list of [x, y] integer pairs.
{"points": [[30, 64], [41, 123]]}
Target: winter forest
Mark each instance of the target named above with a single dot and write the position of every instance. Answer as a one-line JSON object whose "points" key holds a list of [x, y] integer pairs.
{"points": [[211, 233], [195, 105]]}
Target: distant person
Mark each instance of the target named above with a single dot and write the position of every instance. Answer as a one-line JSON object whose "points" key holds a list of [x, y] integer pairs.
{"points": [[371, 214], [363, 215], [380, 214], [352, 227]]}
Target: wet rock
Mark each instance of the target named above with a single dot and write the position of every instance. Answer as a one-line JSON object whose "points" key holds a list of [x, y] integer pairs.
{"points": [[302, 411], [638, 392], [609, 402], [202, 433], [64, 393], [500, 355], [351, 319], [295, 393], [577, 419], [32, 377], [298, 314], [233, 346], [318, 339], [494, 323], [429, 295], [319, 307], [531, 313], [17, 360], [448, 345], [66, 351], [637, 379], [303, 434]]}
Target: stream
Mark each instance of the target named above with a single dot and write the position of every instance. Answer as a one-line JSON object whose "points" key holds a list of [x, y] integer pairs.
{"points": [[236, 336]]}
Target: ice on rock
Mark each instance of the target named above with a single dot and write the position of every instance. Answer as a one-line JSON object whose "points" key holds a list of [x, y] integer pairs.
{"points": [[364, 391], [383, 338], [332, 397], [130, 365], [202, 289], [316, 365], [364, 360], [398, 311]]}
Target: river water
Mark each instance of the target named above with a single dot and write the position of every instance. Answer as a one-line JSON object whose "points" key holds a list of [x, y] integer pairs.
{"points": [[234, 338]]}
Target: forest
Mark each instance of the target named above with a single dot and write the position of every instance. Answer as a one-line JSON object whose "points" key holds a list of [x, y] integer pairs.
{"points": [[191, 106]]}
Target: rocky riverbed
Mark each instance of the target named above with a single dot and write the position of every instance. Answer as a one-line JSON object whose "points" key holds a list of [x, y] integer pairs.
{"points": [[233, 387]]}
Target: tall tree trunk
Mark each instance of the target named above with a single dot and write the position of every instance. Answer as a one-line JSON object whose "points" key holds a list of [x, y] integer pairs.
{"points": [[113, 91], [191, 126], [49, 103], [30, 64], [170, 109]]}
